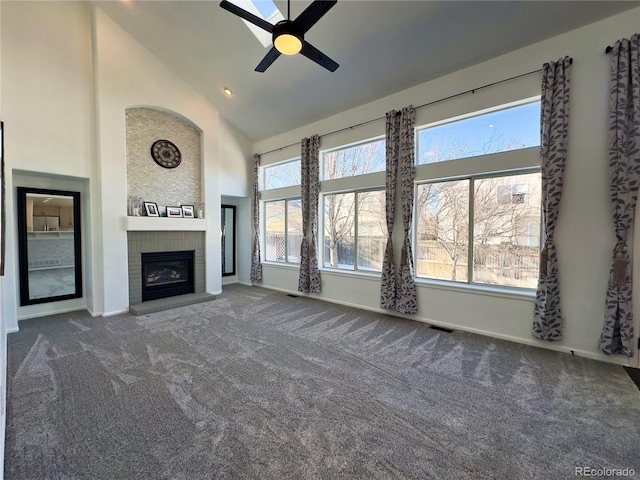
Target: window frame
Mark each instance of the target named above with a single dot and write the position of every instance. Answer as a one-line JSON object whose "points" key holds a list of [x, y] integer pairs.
{"points": [[507, 163], [378, 138], [262, 176], [466, 116], [263, 234], [321, 230], [470, 282]]}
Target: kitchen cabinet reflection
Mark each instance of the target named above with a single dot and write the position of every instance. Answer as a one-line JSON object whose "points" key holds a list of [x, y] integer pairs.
{"points": [[49, 247]]}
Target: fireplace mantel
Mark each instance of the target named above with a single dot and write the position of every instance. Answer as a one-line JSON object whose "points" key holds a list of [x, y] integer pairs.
{"points": [[164, 224]]}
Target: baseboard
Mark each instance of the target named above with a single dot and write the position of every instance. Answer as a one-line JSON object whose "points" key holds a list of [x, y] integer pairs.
{"points": [[46, 314], [115, 312], [12, 330], [532, 342]]}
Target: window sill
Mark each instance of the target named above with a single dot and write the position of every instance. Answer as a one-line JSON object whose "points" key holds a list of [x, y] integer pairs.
{"points": [[288, 266], [486, 290], [350, 273]]}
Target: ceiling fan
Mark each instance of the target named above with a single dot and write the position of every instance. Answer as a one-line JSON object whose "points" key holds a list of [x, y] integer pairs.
{"points": [[288, 35]]}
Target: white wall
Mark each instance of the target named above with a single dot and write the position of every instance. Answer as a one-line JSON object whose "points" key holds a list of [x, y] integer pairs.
{"points": [[47, 110], [69, 73], [584, 235], [235, 155], [123, 72]]}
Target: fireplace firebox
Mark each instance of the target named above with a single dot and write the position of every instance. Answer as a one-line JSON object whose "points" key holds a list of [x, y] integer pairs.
{"points": [[166, 274]]}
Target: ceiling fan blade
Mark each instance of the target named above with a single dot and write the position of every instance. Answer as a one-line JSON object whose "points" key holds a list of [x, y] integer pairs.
{"points": [[268, 59], [317, 56], [313, 13], [249, 17]]}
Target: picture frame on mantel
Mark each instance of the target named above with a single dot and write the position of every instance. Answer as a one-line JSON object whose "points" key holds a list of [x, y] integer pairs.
{"points": [[174, 212], [151, 208], [188, 211]]}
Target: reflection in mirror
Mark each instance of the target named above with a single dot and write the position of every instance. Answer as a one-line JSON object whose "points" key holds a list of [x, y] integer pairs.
{"points": [[49, 246], [228, 240]]}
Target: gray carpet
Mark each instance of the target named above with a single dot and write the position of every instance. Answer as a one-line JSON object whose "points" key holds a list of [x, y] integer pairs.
{"points": [[260, 385]]}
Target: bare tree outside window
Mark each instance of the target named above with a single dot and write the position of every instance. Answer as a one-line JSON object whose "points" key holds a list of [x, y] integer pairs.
{"points": [[340, 209], [372, 230], [294, 230], [505, 246], [443, 230], [506, 249], [353, 161], [339, 218], [281, 175]]}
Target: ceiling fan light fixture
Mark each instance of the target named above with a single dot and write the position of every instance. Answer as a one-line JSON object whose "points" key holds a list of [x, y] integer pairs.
{"points": [[286, 39], [288, 44]]}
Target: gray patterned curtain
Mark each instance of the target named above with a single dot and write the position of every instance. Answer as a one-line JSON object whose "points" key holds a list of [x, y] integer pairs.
{"points": [[554, 123], [406, 298], [309, 279], [624, 172], [256, 264], [388, 279]]}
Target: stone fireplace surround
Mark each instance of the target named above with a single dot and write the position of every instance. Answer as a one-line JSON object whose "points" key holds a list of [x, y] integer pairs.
{"points": [[163, 241]]}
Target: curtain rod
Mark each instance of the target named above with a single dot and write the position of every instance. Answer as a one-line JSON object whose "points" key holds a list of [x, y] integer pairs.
{"points": [[608, 49], [473, 90]]}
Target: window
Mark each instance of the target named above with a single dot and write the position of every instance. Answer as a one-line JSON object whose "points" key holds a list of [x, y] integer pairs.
{"points": [[355, 230], [281, 175], [265, 9], [502, 228], [283, 230], [443, 230], [354, 160], [502, 130]]}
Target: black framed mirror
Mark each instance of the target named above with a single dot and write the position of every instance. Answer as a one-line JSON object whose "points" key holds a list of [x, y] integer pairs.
{"points": [[228, 216], [49, 245]]}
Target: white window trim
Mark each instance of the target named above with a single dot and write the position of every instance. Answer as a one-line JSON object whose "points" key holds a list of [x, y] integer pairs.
{"points": [[345, 147], [263, 230], [478, 113], [469, 285], [279, 191], [321, 256]]}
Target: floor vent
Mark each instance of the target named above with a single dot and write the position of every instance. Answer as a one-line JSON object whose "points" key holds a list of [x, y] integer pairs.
{"points": [[292, 295], [441, 329]]}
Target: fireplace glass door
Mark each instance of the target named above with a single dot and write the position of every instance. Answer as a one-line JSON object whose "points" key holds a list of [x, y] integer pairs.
{"points": [[166, 274]]}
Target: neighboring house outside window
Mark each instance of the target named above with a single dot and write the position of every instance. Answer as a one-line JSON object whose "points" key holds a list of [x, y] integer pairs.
{"points": [[482, 224]]}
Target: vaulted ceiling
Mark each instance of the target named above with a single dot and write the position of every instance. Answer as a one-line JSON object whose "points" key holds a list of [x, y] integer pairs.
{"points": [[382, 46]]}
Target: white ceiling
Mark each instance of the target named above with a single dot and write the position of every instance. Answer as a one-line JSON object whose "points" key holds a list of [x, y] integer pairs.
{"points": [[382, 46]]}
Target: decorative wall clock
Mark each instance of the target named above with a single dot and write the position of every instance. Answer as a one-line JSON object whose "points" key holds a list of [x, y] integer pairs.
{"points": [[166, 154]]}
